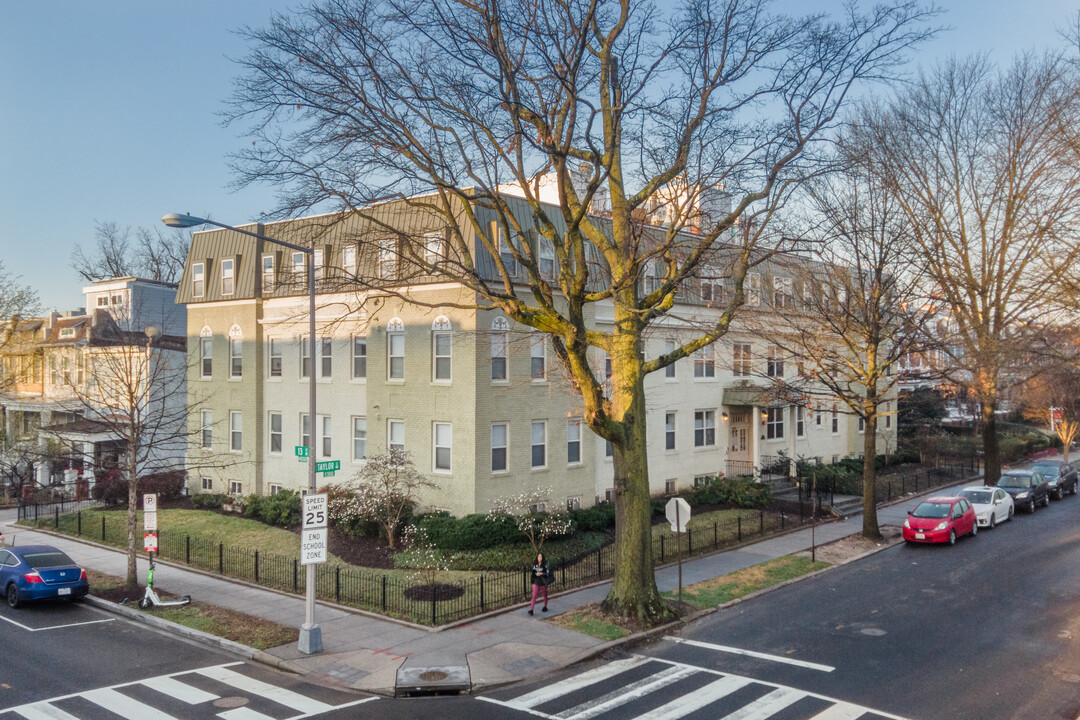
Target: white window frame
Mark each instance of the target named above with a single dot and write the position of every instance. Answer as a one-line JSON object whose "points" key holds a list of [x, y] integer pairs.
{"points": [[206, 354], [670, 438], [359, 438], [434, 248], [500, 347], [275, 433], [704, 428], [228, 276], [669, 371], [546, 253], [348, 260], [236, 487], [395, 335], [538, 352], [305, 356], [753, 289], [198, 280], [236, 353], [774, 362], [207, 483], [387, 258], [206, 429], [299, 267], [326, 445], [704, 363], [326, 357], [774, 423], [442, 443], [268, 273], [305, 434], [359, 360], [573, 441], [538, 444], [505, 447], [800, 422], [441, 357], [835, 419], [783, 292], [395, 435], [275, 365], [317, 261], [741, 359], [236, 431]]}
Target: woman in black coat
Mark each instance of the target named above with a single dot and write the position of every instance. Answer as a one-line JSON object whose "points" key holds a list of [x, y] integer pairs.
{"points": [[541, 578]]}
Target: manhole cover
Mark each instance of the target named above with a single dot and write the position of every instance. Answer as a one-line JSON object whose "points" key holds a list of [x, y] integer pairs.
{"points": [[432, 676], [230, 702]]}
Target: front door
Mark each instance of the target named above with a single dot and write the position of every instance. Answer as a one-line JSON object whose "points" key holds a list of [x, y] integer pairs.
{"points": [[738, 447]]}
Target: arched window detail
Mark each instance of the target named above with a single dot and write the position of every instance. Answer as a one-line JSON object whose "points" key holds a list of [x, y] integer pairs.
{"points": [[441, 323]]}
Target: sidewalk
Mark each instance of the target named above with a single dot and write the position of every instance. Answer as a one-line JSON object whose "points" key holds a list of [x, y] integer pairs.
{"points": [[373, 654]]}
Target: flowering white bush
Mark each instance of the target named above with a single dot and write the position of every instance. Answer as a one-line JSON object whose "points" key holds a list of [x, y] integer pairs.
{"points": [[427, 560], [384, 491], [537, 525]]}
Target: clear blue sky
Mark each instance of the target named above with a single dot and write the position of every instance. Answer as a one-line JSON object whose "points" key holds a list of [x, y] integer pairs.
{"points": [[109, 111]]}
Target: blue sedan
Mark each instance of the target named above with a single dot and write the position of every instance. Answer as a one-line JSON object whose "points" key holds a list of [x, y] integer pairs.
{"points": [[37, 572]]}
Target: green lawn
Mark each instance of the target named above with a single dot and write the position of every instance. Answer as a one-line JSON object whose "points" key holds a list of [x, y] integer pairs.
{"points": [[718, 591]]}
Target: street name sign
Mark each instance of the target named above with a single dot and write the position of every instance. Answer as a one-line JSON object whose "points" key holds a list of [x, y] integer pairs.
{"points": [[301, 451], [328, 466]]}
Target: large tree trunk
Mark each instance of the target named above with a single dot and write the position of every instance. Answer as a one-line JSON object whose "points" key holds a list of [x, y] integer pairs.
{"points": [[991, 459], [870, 528], [132, 583], [633, 589]]}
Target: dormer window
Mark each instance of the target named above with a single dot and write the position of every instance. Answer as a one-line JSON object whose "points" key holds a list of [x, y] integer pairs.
{"points": [[67, 333], [196, 280], [103, 301], [227, 277]]}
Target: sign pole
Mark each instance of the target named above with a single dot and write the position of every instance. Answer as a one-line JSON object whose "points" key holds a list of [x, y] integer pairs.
{"points": [[310, 641], [678, 548]]}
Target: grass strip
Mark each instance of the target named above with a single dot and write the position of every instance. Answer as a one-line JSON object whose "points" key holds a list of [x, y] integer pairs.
{"points": [[717, 591]]}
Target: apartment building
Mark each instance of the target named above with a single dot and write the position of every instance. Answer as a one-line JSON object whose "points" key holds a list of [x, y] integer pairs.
{"points": [[479, 402]]}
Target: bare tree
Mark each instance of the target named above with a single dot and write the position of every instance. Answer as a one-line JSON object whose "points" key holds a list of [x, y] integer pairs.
{"points": [[386, 489], [463, 111], [147, 254], [861, 309], [979, 162]]}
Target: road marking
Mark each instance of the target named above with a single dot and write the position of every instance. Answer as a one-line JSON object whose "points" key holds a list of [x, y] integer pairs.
{"points": [[124, 706], [698, 699], [42, 711], [243, 713], [181, 691], [840, 711], [764, 707], [627, 693], [55, 627], [288, 698], [751, 653], [544, 694]]}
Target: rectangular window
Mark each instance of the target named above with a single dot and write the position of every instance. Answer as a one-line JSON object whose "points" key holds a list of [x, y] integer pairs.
{"points": [[359, 357], [538, 357], [573, 441], [317, 259], [305, 357], [800, 424], [753, 289], [326, 357], [442, 436], [499, 437], [359, 438], [274, 489], [817, 418], [207, 483], [236, 431], [740, 361], [434, 248], [268, 273], [538, 437], [206, 357], [227, 277], [387, 258], [324, 425], [348, 260], [835, 420], [236, 360], [275, 358], [862, 424], [299, 270], [704, 428], [669, 431], [236, 487], [703, 362], [198, 280], [275, 432], [395, 350], [669, 487], [609, 449], [669, 371], [305, 432], [500, 341], [440, 342], [888, 416], [207, 430], [396, 435], [774, 423], [774, 363], [783, 292]]}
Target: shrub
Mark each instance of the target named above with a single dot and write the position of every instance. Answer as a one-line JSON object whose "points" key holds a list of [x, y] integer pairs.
{"points": [[472, 532], [209, 501], [598, 518], [741, 492], [279, 510], [112, 489]]}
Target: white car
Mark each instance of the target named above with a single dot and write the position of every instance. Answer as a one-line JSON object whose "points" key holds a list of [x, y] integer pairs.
{"points": [[991, 504]]}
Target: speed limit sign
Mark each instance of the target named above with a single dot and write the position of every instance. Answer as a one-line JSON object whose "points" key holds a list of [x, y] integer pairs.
{"points": [[315, 506]]}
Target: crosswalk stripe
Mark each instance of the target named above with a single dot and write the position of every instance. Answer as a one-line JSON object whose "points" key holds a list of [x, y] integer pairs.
{"points": [[569, 685], [296, 701], [765, 706], [243, 713], [42, 711], [750, 653], [180, 691], [698, 699], [841, 711], [626, 694], [125, 706]]}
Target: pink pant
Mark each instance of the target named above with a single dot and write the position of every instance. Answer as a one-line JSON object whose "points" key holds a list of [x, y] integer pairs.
{"points": [[537, 590]]}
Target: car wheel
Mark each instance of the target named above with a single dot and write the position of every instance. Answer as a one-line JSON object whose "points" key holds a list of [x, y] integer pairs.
{"points": [[1072, 490], [975, 528], [993, 520], [13, 595], [1059, 494], [1046, 500], [1031, 506], [1011, 511], [952, 537]]}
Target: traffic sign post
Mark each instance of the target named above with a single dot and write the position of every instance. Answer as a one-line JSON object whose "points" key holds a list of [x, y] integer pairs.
{"points": [[313, 531], [677, 511], [149, 521], [150, 542], [149, 502]]}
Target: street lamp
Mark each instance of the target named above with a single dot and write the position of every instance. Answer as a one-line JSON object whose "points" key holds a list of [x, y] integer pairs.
{"points": [[310, 633]]}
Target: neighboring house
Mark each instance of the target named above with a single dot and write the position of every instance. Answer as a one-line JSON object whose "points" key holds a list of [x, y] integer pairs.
{"points": [[60, 400], [480, 402]]}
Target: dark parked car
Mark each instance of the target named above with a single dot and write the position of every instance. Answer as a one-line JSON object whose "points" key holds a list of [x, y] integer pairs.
{"points": [[1062, 476], [36, 572], [1027, 487]]}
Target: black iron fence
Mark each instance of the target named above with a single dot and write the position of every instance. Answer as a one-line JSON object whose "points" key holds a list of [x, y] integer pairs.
{"points": [[35, 510], [889, 485], [422, 601]]}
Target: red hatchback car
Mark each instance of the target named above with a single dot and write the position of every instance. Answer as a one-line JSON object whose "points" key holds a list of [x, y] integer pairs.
{"points": [[940, 519]]}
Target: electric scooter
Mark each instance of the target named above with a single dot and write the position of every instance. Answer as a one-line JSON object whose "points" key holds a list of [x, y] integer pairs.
{"points": [[151, 599]]}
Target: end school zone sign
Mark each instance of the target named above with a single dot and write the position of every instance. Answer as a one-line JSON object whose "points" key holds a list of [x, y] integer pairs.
{"points": [[313, 533]]}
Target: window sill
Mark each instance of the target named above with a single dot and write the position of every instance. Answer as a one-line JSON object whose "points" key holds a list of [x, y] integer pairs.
{"points": [[358, 380], [274, 378]]}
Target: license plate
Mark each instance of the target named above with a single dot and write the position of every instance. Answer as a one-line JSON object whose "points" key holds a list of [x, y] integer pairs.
{"points": [[920, 536], [63, 591]]}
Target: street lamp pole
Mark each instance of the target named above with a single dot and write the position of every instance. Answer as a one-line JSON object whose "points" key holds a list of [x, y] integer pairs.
{"points": [[310, 633]]}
